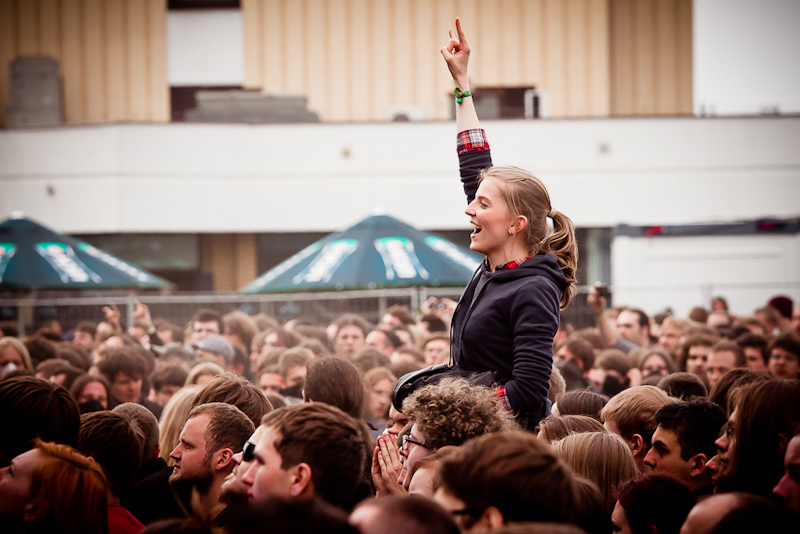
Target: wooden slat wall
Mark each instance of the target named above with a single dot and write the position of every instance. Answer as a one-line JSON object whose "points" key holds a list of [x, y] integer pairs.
{"points": [[112, 55], [230, 258], [357, 58], [651, 57]]}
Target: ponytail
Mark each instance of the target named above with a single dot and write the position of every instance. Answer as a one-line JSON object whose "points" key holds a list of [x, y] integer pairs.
{"points": [[562, 243]]}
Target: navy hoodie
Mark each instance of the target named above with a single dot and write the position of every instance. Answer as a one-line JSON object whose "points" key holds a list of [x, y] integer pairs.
{"points": [[506, 320]]}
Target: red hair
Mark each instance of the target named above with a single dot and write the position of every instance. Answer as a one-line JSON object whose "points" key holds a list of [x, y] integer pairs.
{"points": [[71, 490]]}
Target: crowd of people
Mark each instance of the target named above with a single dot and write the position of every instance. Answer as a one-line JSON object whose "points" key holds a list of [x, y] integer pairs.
{"points": [[233, 423], [240, 424]]}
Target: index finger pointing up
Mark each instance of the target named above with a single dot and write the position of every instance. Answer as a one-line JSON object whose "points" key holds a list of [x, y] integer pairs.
{"points": [[461, 36]]}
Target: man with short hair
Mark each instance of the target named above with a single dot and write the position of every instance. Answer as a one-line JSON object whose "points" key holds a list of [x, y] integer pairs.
{"points": [[754, 347], [139, 497], [350, 334], [578, 351], [237, 391], [293, 365], [695, 349], [147, 423], [436, 349], [166, 380], [724, 356], [212, 434], [633, 325], [205, 323], [115, 443], [270, 380], [35, 408], [397, 315], [683, 442], [124, 369], [671, 331], [84, 335], [510, 477], [629, 330], [306, 451], [631, 415], [383, 340], [784, 356]]}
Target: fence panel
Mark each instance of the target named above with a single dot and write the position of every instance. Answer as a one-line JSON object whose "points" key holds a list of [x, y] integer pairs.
{"points": [[320, 308]]}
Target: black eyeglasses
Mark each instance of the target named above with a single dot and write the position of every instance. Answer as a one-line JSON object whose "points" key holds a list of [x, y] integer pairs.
{"points": [[407, 439], [248, 452]]}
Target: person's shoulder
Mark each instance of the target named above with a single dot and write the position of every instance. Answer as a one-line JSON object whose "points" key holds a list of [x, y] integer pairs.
{"points": [[120, 520]]}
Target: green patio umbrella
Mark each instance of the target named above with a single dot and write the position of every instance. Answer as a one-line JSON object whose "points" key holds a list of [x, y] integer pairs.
{"points": [[35, 257], [378, 252]]}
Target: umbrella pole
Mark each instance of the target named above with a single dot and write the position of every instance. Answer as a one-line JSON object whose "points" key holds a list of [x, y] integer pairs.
{"points": [[417, 294], [130, 307], [25, 312], [382, 305], [21, 319]]}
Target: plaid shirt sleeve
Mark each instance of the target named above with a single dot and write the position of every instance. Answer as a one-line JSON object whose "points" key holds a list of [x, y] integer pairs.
{"points": [[472, 141], [501, 397]]}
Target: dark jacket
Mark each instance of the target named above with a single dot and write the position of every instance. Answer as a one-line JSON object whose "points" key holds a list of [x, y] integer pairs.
{"points": [[506, 320]]}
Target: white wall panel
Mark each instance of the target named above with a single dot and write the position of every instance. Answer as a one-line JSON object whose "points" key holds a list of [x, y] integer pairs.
{"points": [[240, 178]]}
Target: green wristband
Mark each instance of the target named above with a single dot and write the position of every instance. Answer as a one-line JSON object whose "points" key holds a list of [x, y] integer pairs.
{"points": [[461, 95]]}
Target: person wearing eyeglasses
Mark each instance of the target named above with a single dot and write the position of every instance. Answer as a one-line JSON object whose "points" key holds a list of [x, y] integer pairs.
{"points": [[448, 413]]}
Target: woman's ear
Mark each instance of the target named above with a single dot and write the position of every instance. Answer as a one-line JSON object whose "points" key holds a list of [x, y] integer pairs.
{"points": [[521, 223], [32, 511]]}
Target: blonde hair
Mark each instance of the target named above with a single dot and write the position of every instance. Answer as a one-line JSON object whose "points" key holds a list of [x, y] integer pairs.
{"points": [[173, 417], [20, 348], [634, 410], [557, 427], [203, 369], [602, 457], [525, 195]]}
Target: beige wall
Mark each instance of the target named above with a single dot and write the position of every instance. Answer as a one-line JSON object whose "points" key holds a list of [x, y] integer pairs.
{"points": [[230, 258], [112, 55], [651, 57], [357, 58]]}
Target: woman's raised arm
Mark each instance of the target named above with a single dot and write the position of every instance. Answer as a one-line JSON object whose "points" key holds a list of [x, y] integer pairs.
{"points": [[456, 55]]}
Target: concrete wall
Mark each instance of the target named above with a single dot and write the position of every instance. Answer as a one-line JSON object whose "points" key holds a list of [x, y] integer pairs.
{"points": [[745, 57], [683, 272], [296, 178]]}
